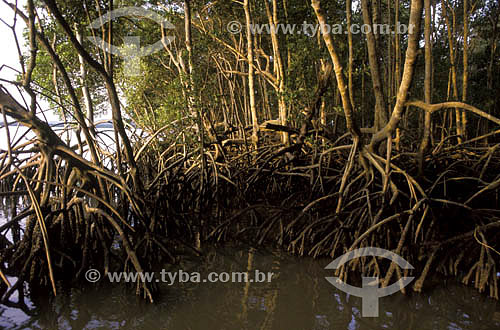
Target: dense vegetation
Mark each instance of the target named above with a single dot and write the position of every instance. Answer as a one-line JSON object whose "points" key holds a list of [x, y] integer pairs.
{"points": [[315, 142]]}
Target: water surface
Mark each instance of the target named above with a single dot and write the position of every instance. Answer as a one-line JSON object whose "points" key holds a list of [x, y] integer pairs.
{"points": [[297, 298]]}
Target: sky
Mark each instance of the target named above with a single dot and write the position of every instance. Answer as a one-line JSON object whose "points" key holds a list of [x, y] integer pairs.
{"points": [[8, 54]]}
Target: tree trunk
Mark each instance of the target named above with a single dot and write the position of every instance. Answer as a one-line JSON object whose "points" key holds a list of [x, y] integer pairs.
{"points": [[348, 5], [251, 86], [465, 73], [451, 30], [373, 57], [337, 66], [110, 88], [83, 80], [278, 65], [427, 86], [397, 68], [410, 59]]}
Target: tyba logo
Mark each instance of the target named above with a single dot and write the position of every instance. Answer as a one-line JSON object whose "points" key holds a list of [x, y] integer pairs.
{"points": [[370, 292], [131, 50]]}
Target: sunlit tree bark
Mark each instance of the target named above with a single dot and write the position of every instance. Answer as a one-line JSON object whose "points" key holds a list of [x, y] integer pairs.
{"points": [[427, 85], [409, 66], [251, 84]]}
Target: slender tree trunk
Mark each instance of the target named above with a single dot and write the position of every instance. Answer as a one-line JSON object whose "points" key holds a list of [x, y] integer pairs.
{"points": [[493, 48], [373, 58], [427, 86], [397, 50], [288, 52], [375, 17], [411, 55], [348, 5], [465, 74], [196, 113], [489, 84], [344, 93], [109, 67], [190, 69], [278, 65], [85, 89], [451, 30], [251, 86], [63, 112], [397, 68], [389, 68]]}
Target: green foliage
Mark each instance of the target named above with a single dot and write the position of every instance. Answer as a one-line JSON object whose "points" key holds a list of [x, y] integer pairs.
{"points": [[159, 94], [153, 98]]}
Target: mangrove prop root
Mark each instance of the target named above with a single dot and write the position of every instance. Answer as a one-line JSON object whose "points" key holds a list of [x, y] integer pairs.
{"points": [[318, 198]]}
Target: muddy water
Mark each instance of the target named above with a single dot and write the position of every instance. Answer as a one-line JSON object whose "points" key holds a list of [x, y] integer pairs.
{"points": [[297, 297]]}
